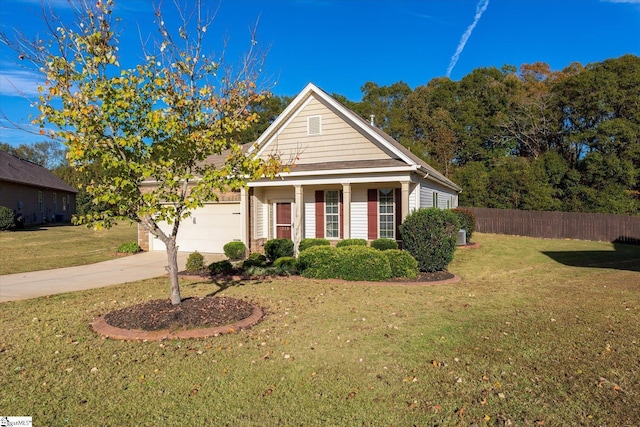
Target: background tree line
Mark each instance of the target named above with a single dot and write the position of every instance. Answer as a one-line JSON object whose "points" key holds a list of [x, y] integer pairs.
{"points": [[528, 138]]}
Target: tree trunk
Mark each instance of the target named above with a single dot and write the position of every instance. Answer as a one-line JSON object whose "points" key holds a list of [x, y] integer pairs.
{"points": [[172, 269]]}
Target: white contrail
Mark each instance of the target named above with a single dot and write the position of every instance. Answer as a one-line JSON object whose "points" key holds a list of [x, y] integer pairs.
{"points": [[480, 8]]}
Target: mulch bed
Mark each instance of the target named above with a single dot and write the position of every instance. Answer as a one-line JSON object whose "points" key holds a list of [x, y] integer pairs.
{"points": [[191, 313]]}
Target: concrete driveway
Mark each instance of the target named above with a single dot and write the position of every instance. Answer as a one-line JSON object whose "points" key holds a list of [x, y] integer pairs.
{"points": [[145, 265]]}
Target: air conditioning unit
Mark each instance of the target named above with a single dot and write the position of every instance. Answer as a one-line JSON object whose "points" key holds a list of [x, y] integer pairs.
{"points": [[462, 237]]}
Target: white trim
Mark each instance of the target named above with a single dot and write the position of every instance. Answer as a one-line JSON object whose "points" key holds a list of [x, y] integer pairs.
{"points": [[285, 175], [338, 180]]}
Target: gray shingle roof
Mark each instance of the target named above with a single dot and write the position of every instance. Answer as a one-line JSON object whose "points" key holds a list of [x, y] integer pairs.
{"points": [[14, 169]]}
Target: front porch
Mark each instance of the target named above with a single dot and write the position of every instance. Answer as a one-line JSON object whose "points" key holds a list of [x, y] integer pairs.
{"points": [[333, 211]]}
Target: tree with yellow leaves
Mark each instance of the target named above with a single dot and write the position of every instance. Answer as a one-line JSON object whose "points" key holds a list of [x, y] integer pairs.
{"points": [[157, 122]]}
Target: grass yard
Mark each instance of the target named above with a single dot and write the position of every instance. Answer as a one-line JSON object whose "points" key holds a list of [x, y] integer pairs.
{"points": [[43, 248], [538, 332]]}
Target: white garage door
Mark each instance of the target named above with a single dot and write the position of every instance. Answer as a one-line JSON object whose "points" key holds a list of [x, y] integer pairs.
{"points": [[207, 230]]}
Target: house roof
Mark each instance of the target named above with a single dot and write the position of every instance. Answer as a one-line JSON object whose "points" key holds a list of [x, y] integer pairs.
{"points": [[20, 171], [397, 150]]}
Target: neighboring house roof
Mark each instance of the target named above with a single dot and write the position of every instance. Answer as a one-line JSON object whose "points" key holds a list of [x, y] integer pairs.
{"points": [[20, 171], [401, 155]]}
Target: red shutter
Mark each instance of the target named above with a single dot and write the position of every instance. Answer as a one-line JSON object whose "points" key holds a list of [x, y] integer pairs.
{"points": [[372, 214], [341, 211], [319, 214], [398, 196]]}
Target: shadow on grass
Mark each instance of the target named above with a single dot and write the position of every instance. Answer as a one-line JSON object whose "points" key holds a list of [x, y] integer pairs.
{"points": [[225, 283], [623, 257]]}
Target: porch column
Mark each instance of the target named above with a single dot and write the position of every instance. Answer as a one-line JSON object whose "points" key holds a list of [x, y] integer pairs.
{"points": [[298, 221], [346, 209], [405, 199], [244, 216]]}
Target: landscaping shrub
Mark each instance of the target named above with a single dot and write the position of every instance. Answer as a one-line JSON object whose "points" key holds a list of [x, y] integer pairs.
{"points": [[221, 267], [384, 244], [129, 248], [430, 236], [195, 262], [467, 221], [256, 271], [255, 260], [6, 218], [287, 262], [319, 262], [235, 250], [351, 242], [402, 263], [362, 263], [277, 248], [308, 243]]}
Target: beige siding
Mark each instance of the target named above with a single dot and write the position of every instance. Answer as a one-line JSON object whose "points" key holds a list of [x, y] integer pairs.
{"points": [[258, 214], [309, 213], [337, 141], [359, 213], [446, 198]]}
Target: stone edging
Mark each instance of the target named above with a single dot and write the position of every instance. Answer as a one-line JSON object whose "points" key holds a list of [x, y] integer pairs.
{"points": [[101, 327]]}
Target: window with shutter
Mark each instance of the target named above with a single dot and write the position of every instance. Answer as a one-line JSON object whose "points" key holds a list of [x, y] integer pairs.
{"points": [[386, 208]]}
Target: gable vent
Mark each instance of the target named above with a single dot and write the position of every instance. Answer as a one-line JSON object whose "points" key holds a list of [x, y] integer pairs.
{"points": [[314, 125]]}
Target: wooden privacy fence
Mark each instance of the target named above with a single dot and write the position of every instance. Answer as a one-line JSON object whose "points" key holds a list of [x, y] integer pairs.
{"points": [[559, 225]]}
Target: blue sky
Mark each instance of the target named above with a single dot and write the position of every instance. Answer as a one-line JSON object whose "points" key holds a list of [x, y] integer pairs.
{"points": [[341, 44]]}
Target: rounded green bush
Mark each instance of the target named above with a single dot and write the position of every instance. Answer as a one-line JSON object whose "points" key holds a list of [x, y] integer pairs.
{"points": [[402, 263], [384, 244], [195, 262], [308, 243], [351, 242], [319, 262], [467, 221], [362, 263], [277, 248], [286, 262], [6, 218], [235, 250], [255, 260], [221, 267], [129, 248], [430, 236]]}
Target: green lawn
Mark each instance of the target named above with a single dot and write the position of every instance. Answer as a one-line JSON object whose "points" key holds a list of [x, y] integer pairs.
{"points": [[42, 248], [538, 332]]}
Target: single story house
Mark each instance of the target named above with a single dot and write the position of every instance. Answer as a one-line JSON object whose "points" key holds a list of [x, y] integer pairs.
{"points": [[349, 179], [34, 191]]}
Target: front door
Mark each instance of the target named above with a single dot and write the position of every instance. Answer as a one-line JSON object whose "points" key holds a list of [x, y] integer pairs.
{"points": [[283, 220]]}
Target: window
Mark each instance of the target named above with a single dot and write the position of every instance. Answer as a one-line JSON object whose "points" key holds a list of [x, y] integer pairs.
{"points": [[386, 215], [332, 214], [64, 203], [55, 202], [39, 201], [314, 125], [435, 199]]}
